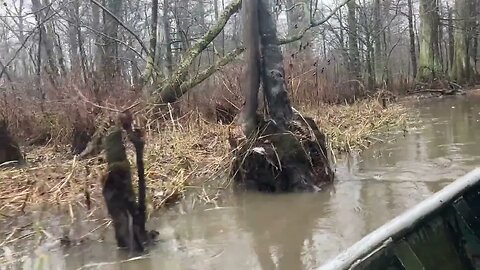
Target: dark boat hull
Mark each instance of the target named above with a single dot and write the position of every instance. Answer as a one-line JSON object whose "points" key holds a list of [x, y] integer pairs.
{"points": [[442, 232]]}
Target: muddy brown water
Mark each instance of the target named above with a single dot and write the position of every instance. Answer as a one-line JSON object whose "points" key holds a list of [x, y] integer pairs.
{"points": [[300, 231]]}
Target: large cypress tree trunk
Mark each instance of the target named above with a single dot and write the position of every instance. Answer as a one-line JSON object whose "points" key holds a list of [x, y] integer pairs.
{"points": [[287, 152]]}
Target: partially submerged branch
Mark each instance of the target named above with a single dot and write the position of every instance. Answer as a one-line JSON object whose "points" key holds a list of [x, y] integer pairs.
{"points": [[144, 47]]}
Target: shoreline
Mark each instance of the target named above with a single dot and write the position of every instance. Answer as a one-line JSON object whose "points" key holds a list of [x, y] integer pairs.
{"points": [[184, 158]]}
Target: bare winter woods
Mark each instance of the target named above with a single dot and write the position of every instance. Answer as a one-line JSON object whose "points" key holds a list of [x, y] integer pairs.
{"points": [[63, 56]]}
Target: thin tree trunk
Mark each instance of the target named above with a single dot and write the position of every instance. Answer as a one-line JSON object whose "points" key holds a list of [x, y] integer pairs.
{"points": [[377, 39], [72, 34], [354, 55], [59, 49], [46, 40], [168, 41], [96, 15], [451, 40], [411, 32], [111, 65], [151, 66]]}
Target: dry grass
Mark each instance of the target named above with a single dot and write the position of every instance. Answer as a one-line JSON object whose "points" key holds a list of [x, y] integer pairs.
{"points": [[354, 127], [182, 157]]}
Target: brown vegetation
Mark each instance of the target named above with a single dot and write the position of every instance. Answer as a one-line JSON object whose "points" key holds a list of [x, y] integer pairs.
{"points": [[185, 153]]}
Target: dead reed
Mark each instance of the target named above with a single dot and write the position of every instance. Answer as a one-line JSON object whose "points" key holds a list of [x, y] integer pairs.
{"points": [[184, 156]]}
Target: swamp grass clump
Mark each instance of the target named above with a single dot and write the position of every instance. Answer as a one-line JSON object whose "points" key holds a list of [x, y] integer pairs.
{"points": [[185, 156]]}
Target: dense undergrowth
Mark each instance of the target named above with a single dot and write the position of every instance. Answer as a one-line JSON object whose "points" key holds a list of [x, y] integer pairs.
{"points": [[187, 148]]}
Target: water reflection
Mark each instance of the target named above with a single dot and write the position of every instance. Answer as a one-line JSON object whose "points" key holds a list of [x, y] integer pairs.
{"points": [[302, 231]]}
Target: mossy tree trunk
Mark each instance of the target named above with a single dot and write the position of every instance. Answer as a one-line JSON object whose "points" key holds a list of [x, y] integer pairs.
{"points": [[128, 219], [462, 70], [429, 66]]}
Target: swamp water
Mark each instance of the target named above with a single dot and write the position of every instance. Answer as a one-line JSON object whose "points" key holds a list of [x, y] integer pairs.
{"points": [[301, 231]]}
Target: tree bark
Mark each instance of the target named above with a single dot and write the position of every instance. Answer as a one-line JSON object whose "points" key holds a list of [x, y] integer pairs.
{"points": [[353, 53], [429, 67], [411, 32], [73, 12], [461, 59], [111, 65], [273, 74], [451, 40], [252, 74], [46, 39], [120, 197], [378, 46], [151, 66], [288, 151], [168, 41]]}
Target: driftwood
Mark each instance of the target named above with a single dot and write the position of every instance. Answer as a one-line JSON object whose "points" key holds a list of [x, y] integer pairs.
{"points": [[444, 92], [128, 221], [9, 149]]}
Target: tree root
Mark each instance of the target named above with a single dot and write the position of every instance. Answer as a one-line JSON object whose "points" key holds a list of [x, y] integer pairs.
{"points": [[281, 160]]}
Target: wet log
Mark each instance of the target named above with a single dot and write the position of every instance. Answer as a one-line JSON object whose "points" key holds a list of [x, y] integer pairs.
{"points": [[9, 149], [277, 159], [120, 198]]}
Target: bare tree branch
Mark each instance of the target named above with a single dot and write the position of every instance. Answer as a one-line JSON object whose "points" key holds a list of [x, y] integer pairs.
{"points": [[184, 87], [313, 24], [23, 45], [171, 90], [144, 47]]}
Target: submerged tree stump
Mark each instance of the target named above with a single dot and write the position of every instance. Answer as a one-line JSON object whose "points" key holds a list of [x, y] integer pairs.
{"points": [[281, 160], [9, 149], [120, 198]]}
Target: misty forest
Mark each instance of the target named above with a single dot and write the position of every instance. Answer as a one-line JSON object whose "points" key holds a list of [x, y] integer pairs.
{"points": [[115, 114]]}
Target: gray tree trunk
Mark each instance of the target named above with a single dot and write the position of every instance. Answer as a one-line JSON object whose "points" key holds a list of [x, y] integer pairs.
{"points": [[168, 41], [378, 46], [461, 71], [275, 88], [429, 66], [111, 65], [353, 52], [47, 42], [411, 32], [73, 12]]}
